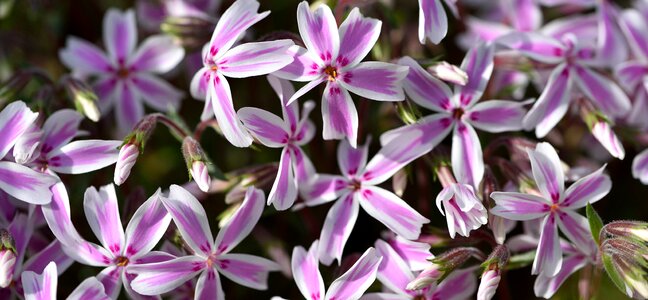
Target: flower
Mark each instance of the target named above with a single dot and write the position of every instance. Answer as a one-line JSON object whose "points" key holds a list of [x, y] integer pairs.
{"points": [[43, 286], [463, 210], [220, 60], [488, 284], [433, 21], [126, 159], [351, 285], [7, 258], [211, 257], [334, 56], [152, 13], [555, 206], [358, 187], [295, 168], [196, 161], [640, 167], [458, 112], [126, 76], [119, 251]]}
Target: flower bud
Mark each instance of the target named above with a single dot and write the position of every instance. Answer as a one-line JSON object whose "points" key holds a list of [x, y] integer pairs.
{"points": [[488, 285], [427, 277], [200, 174], [449, 73], [626, 262], [83, 96], [443, 265], [601, 129], [7, 258], [632, 229], [196, 162], [125, 161], [9, 90], [189, 31]]}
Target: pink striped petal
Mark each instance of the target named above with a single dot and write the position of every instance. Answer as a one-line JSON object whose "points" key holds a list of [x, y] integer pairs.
{"points": [[414, 253], [158, 278], [190, 218], [60, 128], [25, 184], [89, 289], [304, 67], [28, 146], [604, 134], [467, 160], [52, 253], [156, 92], [303, 167], [358, 35], [526, 14], [120, 35], [392, 211], [634, 27], [576, 228], [433, 21], [128, 107], [40, 286], [319, 31], [306, 88], [254, 59], [102, 212], [247, 270], [518, 206], [393, 272], [611, 46], [266, 127], [285, 90], [157, 54], [15, 119], [497, 115], [639, 109], [111, 279], [232, 25], [324, 188], [220, 97], [351, 160], [478, 65], [547, 171], [423, 88], [434, 129], [340, 118], [209, 286], [284, 189], [640, 167], [84, 156], [459, 285], [106, 89], [337, 227], [536, 46], [546, 286], [84, 58], [607, 95], [200, 83], [552, 104], [588, 189], [630, 74], [305, 270], [242, 222], [352, 284], [548, 257], [375, 80], [147, 226]]}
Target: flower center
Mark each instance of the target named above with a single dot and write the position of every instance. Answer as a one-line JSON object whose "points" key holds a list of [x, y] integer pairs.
{"points": [[214, 68], [121, 261], [332, 72], [457, 113], [355, 185], [122, 72], [554, 207]]}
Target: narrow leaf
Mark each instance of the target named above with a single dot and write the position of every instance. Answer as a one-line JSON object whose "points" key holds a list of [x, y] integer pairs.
{"points": [[595, 222]]}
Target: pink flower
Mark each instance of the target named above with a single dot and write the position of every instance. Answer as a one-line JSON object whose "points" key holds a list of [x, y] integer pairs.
{"points": [[488, 285], [43, 286], [125, 161], [211, 257], [152, 13], [433, 21], [640, 167], [126, 76], [220, 60], [463, 210], [333, 55], [555, 206]]}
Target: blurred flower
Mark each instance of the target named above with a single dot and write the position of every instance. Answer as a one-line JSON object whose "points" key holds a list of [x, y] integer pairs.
{"points": [[12, 87], [427, 277], [449, 73], [463, 210], [640, 167], [152, 13], [333, 55], [43, 286], [83, 97], [433, 21]]}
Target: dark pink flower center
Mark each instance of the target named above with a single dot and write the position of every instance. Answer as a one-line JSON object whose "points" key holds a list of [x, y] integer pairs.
{"points": [[332, 72], [121, 261], [457, 113]]}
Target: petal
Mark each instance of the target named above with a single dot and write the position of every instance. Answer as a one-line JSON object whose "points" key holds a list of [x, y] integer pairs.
{"points": [[147, 226], [588, 189], [357, 36], [611, 46], [25, 184], [518, 206], [394, 273], [536, 46], [129, 109], [338, 225], [634, 27], [392, 211], [547, 171], [607, 95], [220, 95], [120, 34], [467, 159], [285, 90], [548, 257], [478, 65], [552, 104], [414, 253], [284, 189], [604, 134], [319, 31], [385, 296], [110, 278], [240, 16], [266, 127], [156, 92], [190, 218], [28, 146], [640, 167], [630, 74], [157, 54], [423, 88], [200, 83], [40, 286], [546, 286], [497, 115], [576, 228], [15, 119], [247, 270], [305, 270], [52, 253], [254, 59], [303, 167], [242, 222], [354, 282], [106, 88], [304, 67], [80, 157], [433, 21], [526, 15], [433, 127], [375, 80], [158, 278], [352, 160], [84, 57], [60, 128], [460, 284], [306, 88], [340, 118], [324, 188], [209, 286], [102, 212], [89, 289]]}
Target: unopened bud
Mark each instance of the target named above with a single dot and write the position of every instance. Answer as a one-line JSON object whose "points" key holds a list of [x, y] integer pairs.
{"points": [[125, 161], [601, 129], [488, 285], [427, 277], [442, 265], [7, 258], [12, 87], [85, 100], [631, 229], [196, 162], [190, 31], [200, 174], [449, 73]]}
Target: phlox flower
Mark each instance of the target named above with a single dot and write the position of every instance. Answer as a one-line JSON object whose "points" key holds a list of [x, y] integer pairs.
{"points": [[152, 13], [220, 61], [357, 187], [293, 131], [464, 212], [211, 258], [126, 75], [43, 286], [555, 206], [333, 55]]}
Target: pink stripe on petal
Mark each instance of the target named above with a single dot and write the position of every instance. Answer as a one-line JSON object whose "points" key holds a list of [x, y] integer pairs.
{"points": [[285, 90], [423, 88], [209, 286], [640, 167], [352, 160], [433, 21], [630, 74], [634, 27], [352, 284], [611, 45], [254, 59], [324, 188], [478, 65], [393, 271], [518, 206], [547, 171], [240, 16], [552, 104], [242, 222], [319, 31], [392, 211], [40, 286], [102, 213], [357, 36], [577, 230], [15, 119], [25, 184], [434, 129], [190, 218], [414, 253], [84, 57], [129, 108], [548, 257], [305, 269], [497, 115], [304, 67], [588, 189], [375, 80], [460, 284], [535, 46], [158, 278], [147, 226], [83, 156], [156, 92], [52, 253], [110, 278], [120, 34], [340, 118], [546, 286], [605, 93], [467, 160], [284, 189], [200, 83], [220, 97], [247, 270], [337, 227], [269, 129], [60, 128], [89, 289], [157, 54], [303, 167]]}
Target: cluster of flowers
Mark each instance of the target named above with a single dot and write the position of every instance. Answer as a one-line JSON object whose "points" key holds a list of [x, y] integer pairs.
{"points": [[576, 60]]}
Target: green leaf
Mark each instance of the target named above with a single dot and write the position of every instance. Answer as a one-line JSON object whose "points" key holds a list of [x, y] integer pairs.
{"points": [[612, 273], [521, 260], [595, 222]]}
